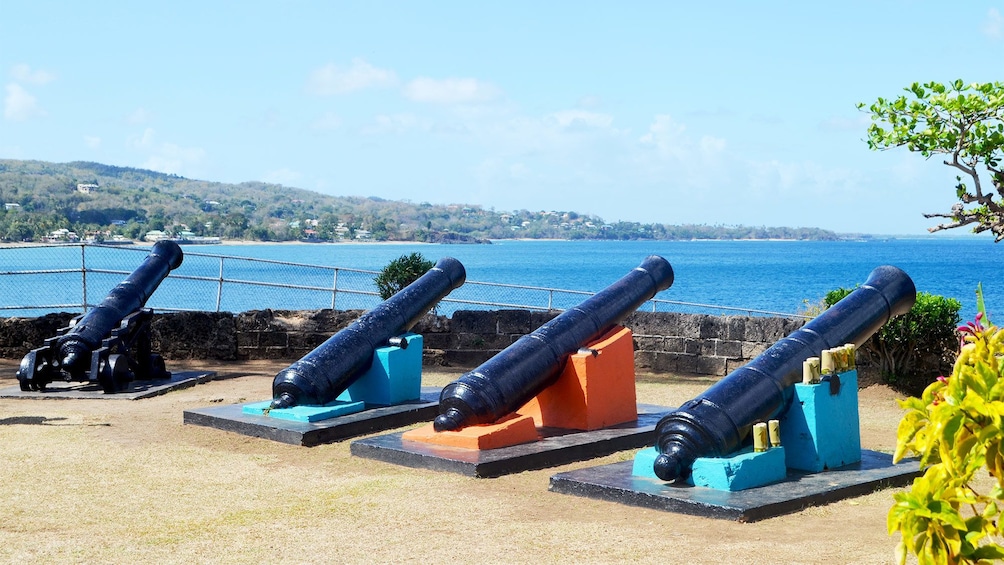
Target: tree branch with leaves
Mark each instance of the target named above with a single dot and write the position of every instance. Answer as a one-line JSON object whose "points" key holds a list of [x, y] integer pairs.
{"points": [[963, 122]]}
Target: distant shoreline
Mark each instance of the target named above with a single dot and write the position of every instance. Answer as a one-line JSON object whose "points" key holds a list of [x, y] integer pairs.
{"points": [[243, 242]]}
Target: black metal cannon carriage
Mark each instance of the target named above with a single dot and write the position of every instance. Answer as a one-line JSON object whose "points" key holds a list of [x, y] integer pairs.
{"points": [[109, 345]]}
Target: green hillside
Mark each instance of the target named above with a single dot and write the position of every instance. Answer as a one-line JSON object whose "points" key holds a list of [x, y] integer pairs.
{"points": [[99, 202]]}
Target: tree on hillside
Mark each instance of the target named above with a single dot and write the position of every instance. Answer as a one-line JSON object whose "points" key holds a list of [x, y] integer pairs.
{"points": [[964, 122]]}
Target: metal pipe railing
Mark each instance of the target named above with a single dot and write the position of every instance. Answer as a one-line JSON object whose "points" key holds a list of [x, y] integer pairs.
{"points": [[222, 284]]}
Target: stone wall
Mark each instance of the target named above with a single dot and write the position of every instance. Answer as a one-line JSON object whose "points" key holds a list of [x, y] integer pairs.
{"points": [[664, 342]]}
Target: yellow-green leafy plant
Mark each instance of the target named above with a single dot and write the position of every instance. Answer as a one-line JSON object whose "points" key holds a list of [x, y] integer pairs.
{"points": [[951, 513]]}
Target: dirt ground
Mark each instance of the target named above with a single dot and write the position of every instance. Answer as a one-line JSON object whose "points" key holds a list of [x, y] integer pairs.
{"points": [[119, 481]]}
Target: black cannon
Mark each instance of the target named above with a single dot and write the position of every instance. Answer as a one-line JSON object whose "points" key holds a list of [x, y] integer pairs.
{"points": [[111, 343], [327, 371], [521, 371], [718, 421]]}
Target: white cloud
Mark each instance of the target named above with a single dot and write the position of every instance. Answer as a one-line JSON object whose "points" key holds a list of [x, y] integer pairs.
{"points": [[671, 141], [667, 137], [282, 176], [993, 25], [19, 105], [23, 73], [327, 121], [840, 123], [92, 142], [174, 159], [450, 91], [144, 141], [167, 157], [332, 79], [582, 118], [397, 123]]}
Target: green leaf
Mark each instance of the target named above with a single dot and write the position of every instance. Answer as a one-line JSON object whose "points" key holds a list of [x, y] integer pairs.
{"points": [[990, 552], [981, 307]]}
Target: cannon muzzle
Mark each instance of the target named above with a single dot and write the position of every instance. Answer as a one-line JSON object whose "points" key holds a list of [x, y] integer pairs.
{"points": [[716, 423], [521, 371], [327, 371]]}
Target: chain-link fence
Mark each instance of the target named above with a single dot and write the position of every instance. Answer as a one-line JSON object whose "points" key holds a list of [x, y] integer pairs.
{"points": [[35, 280]]}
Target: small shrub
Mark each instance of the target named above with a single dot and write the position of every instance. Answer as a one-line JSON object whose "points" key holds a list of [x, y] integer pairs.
{"points": [[401, 272], [812, 309], [955, 429]]}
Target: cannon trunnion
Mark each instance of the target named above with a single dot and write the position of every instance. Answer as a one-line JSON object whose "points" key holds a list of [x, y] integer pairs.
{"points": [[110, 344]]}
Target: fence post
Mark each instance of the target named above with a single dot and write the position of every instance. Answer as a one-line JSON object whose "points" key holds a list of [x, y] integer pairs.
{"points": [[83, 277], [550, 299], [334, 288], [219, 289]]}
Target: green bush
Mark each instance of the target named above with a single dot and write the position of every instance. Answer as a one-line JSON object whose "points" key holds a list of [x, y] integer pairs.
{"points": [[912, 350], [401, 272]]}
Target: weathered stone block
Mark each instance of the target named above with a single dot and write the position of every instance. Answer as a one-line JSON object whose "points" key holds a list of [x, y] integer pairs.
{"points": [[752, 349], [474, 322], [645, 359], [666, 363], [733, 364], [247, 340], [654, 343], [652, 323], [674, 345], [690, 325], [756, 330], [482, 341], [273, 339], [262, 321], [711, 365], [686, 363], [513, 322], [18, 336], [725, 348], [735, 328], [712, 327], [440, 340], [432, 324]]}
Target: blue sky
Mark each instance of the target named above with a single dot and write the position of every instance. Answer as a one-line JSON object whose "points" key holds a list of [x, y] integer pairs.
{"points": [[672, 112]]}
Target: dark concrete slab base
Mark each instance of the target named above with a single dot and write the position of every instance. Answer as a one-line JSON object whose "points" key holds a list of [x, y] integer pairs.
{"points": [[557, 447], [615, 482], [135, 391], [232, 419]]}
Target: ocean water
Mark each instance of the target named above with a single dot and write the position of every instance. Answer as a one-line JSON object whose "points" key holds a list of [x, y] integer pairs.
{"points": [[776, 276]]}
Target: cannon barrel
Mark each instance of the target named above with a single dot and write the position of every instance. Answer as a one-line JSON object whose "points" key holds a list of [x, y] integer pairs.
{"points": [[521, 371], [327, 371], [716, 422], [75, 347]]}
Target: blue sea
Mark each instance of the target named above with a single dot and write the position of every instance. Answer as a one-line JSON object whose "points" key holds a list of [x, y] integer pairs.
{"points": [[775, 276]]}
